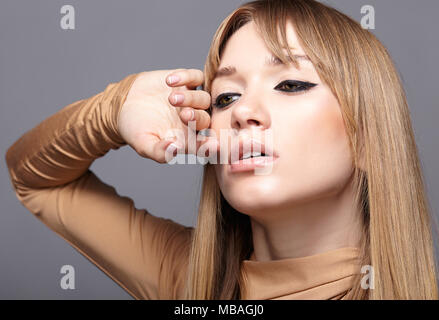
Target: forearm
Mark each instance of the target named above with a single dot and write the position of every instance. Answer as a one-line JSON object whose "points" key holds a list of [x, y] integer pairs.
{"points": [[63, 146]]}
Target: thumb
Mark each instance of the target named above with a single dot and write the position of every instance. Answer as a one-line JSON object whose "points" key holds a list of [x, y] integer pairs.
{"points": [[153, 147]]}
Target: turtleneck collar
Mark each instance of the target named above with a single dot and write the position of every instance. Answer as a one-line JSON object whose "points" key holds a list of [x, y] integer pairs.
{"points": [[326, 275]]}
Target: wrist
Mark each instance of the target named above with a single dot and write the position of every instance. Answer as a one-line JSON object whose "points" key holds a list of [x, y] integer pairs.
{"points": [[112, 102]]}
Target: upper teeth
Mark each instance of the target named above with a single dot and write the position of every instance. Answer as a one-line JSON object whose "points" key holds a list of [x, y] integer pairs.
{"points": [[251, 154]]}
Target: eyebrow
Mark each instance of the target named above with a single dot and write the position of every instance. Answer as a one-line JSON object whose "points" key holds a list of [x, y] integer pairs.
{"points": [[269, 61]]}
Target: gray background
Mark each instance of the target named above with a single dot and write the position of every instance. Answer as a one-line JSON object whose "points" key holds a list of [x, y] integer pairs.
{"points": [[44, 68]]}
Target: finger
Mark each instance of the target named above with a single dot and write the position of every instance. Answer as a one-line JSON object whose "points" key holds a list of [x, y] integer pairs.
{"points": [[191, 78], [193, 98], [201, 118], [152, 147]]}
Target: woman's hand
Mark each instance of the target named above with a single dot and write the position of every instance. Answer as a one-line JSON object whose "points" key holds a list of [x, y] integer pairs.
{"points": [[151, 112]]}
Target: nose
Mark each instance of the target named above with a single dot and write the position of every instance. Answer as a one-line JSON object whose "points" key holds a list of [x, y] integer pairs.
{"points": [[250, 112]]}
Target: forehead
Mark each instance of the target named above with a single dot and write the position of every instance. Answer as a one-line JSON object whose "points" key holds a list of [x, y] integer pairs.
{"points": [[247, 45]]}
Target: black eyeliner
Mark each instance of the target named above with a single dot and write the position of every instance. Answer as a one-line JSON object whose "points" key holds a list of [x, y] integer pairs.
{"points": [[304, 84], [215, 104]]}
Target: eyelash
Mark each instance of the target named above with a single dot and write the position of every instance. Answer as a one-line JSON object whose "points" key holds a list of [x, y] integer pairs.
{"points": [[299, 84]]}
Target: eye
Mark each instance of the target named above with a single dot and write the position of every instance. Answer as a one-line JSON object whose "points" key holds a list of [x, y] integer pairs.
{"points": [[294, 86], [225, 99]]}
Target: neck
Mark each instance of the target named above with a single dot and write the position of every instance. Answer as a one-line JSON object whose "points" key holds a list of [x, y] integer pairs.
{"points": [[308, 228]]}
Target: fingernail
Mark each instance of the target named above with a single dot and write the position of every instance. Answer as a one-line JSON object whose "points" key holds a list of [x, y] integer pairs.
{"points": [[189, 114], [178, 98], [172, 79], [172, 149]]}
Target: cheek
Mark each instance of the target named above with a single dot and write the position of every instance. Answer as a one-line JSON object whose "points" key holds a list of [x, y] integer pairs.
{"points": [[218, 121], [324, 126], [316, 149], [313, 124]]}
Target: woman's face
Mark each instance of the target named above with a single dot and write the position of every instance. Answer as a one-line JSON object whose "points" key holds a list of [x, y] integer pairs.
{"points": [[307, 130]]}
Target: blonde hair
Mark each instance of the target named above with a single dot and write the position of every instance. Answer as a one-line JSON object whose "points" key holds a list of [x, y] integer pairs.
{"points": [[396, 240]]}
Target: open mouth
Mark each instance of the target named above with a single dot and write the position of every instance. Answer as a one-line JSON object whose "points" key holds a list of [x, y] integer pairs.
{"points": [[253, 154], [250, 148], [249, 154]]}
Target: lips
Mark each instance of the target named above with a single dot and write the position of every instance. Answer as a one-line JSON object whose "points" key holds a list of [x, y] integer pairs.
{"points": [[264, 155], [246, 146]]}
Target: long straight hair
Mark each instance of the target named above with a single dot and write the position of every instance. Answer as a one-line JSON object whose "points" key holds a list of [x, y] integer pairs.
{"points": [[396, 239]]}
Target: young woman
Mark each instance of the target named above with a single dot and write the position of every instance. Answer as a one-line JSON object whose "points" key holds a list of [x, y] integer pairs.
{"points": [[344, 200]]}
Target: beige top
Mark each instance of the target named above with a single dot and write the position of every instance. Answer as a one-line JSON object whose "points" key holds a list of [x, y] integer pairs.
{"points": [[145, 254]]}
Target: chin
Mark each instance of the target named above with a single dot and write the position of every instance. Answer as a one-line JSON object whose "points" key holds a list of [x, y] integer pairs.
{"points": [[252, 196]]}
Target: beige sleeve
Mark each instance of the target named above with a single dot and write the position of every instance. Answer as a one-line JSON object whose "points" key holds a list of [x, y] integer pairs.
{"points": [[49, 169]]}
